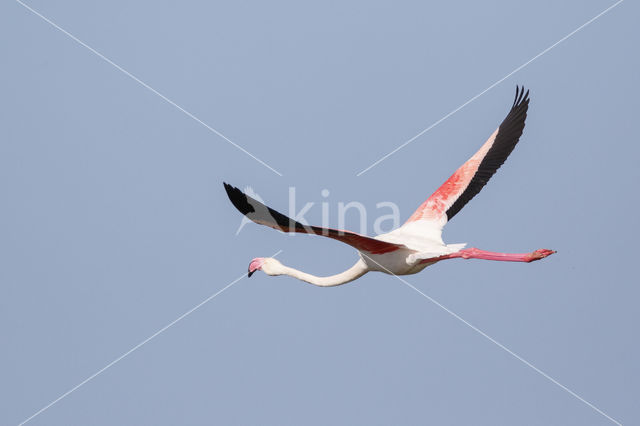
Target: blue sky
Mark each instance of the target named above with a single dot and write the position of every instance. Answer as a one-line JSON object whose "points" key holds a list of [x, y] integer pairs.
{"points": [[114, 221]]}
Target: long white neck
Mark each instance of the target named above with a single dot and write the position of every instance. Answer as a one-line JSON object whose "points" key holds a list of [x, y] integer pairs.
{"points": [[356, 271]]}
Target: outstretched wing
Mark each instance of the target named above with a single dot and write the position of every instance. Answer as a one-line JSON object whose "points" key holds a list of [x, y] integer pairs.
{"points": [[469, 179], [259, 213]]}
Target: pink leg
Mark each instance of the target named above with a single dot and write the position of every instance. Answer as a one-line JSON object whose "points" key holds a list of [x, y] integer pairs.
{"points": [[474, 253]]}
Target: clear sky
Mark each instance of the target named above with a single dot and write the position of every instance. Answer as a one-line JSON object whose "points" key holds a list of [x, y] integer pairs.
{"points": [[114, 221]]}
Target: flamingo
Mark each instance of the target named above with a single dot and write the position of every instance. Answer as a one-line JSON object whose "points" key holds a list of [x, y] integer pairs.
{"points": [[418, 242]]}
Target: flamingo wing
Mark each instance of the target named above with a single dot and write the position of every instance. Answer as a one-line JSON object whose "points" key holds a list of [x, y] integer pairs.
{"points": [[259, 213], [473, 175]]}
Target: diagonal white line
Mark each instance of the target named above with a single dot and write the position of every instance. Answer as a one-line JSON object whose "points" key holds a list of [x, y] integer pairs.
{"points": [[500, 345], [490, 87], [510, 352], [145, 85], [135, 348]]}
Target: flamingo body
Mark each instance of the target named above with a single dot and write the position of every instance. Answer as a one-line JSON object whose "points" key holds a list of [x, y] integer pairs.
{"points": [[418, 242]]}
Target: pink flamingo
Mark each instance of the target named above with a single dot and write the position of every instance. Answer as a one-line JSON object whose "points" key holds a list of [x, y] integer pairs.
{"points": [[418, 242]]}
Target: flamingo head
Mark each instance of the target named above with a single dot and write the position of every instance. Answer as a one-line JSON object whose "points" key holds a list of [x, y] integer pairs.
{"points": [[268, 265]]}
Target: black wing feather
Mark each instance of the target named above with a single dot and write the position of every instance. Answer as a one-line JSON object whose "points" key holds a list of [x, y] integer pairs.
{"points": [[264, 215], [508, 136]]}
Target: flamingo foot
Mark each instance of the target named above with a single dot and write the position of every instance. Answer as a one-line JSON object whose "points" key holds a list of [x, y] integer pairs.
{"points": [[539, 254]]}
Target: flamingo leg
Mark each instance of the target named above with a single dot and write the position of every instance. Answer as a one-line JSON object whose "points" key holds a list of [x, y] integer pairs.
{"points": [[474, 253]]}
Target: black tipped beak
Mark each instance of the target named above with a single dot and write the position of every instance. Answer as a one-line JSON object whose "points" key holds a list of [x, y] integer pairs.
{"points": [[250, 273]]}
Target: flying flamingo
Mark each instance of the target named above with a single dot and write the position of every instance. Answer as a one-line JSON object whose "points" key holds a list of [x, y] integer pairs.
{"points": [[418, 242]]}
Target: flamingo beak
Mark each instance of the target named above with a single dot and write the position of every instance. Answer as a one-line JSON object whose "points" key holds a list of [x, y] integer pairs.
{"points": [[255, 265]]}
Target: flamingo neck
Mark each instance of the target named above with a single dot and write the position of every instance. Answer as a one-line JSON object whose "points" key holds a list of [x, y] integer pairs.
{"points": [[356, 271]]}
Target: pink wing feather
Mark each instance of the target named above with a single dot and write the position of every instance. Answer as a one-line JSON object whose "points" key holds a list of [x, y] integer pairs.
{"points": [[469, 179], [259, 213]]}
